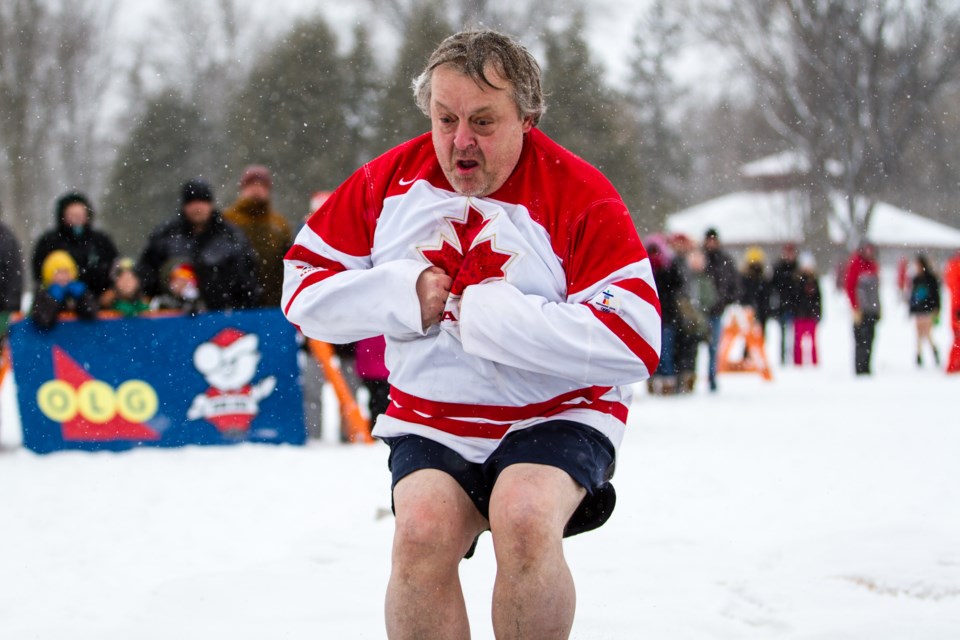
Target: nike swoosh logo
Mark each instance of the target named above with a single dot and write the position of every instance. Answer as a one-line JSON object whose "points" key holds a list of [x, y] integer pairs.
{"points": [[404, 183]]}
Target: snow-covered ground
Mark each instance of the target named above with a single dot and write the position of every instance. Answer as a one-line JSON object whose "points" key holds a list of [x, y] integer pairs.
{"points": [[816, 506]]}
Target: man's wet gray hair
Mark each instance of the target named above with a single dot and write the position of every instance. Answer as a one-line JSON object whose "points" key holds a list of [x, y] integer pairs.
{"points": [[470, 52]]}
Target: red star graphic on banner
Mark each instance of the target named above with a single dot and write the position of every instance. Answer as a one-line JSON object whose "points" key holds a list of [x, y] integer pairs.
{"points": [[468, 264]]}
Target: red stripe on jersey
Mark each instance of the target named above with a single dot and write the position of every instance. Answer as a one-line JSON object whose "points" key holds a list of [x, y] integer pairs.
{"points": [[302, 254], [459, 428], [315, 277], [466, 429], [642, 290], [497, 412], [631, 338]]}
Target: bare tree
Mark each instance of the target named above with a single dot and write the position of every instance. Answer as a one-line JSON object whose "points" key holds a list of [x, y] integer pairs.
{"points": [[522, 19], [849, 83], [652, 94], [23, 126], [55, 69]]}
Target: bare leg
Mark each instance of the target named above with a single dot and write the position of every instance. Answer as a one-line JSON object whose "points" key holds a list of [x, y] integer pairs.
{"points": [[436, 523], [534, 595]]}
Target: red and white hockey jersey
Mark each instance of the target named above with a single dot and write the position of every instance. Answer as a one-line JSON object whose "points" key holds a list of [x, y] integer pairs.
{"points": [[553, 311]]}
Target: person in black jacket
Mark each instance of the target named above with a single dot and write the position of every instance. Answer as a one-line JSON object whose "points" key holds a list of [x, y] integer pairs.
{"points": [[925, 305], [11, 277], [723, 272], [755, 287], [221, 256], [93, 251], [783, 292], [11, 271], [670, 285]]}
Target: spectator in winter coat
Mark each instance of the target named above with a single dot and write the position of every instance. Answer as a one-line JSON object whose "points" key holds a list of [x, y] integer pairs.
{"points": [[11, 271], [372, 370], [224, 262], [11, 277], [722, 270], [92, 251], [807, 308], [670, 286], [783, 284], [755, 287], [951, 279], [125, 296], [180, 289], [862, 283], [700, 296], [61, 291], [925, 305], [268, 232]]}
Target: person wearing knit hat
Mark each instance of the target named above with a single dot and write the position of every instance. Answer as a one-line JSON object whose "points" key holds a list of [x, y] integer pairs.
{"points": [[224, 262], [92, 250], [722, 270], [61, 291], [197, 189], [266, 229], [125, 296]]}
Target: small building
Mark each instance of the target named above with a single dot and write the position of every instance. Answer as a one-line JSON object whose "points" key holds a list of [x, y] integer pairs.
{"points": [[770, 212]]}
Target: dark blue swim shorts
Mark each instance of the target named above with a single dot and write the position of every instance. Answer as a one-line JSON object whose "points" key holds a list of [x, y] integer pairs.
{"points": [[583, 452]]}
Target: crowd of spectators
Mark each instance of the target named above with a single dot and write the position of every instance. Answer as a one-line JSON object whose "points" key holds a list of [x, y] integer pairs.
{"points": [[697, 284]]}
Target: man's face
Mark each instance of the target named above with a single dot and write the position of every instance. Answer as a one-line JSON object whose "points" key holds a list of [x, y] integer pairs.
{"points": [[198, 212], [256, 191], [477, 131], [76, 215]]}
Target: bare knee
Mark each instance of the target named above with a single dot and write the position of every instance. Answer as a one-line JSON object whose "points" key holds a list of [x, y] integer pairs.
{"points": [[529, 507], [425, 533], [523, 528], [436, 522]]}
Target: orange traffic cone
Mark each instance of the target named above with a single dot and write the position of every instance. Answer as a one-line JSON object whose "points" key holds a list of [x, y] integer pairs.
{"points": [[754, 359]]}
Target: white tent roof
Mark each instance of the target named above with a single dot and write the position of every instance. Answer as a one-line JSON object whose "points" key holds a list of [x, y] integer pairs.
{"points": [[785, 163], [775, 217]]}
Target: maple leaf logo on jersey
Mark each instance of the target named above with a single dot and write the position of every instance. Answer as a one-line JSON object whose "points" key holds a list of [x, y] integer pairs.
{"points": [[468, 263]]}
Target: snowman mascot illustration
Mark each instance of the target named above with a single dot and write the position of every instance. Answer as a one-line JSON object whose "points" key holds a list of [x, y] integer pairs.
{"points": [[228, 362]]}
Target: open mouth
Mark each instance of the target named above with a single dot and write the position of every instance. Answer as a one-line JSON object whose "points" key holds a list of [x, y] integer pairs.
{"points": [[467, 165]]}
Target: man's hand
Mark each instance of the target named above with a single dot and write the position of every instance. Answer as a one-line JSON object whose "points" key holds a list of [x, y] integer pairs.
{"points": [[433, 288], [857, 316]]}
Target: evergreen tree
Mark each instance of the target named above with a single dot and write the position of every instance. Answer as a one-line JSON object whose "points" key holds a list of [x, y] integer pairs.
{"points": [[591, 120], [292, 117], [651, 94], [169, 145], [363, 94], [400, 119]]}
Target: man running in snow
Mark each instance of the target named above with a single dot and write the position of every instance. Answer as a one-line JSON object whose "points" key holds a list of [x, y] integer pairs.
{"points": [[518, 307]]}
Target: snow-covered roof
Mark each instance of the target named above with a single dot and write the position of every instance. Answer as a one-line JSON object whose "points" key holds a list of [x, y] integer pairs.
{"points": [[785, 163], [775, 217]]}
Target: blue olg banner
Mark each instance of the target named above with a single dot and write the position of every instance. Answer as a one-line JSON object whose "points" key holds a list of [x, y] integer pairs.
{"points": [[215, 378]]}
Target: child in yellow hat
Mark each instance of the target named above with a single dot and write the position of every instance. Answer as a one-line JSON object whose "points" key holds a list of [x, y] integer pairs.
{"points": [[61, 291]]}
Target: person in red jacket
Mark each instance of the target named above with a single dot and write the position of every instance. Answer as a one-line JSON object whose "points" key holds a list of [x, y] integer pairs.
{"points": [[951, 280], [862, 283]]}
